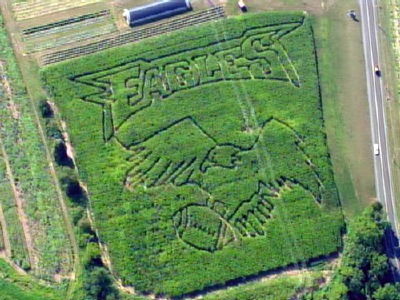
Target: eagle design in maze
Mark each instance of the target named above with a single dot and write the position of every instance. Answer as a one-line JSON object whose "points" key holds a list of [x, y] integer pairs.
{"points": [[241, 181], [178, 138]]}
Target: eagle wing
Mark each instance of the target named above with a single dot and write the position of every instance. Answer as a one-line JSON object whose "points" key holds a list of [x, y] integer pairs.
{"points": [[173, 155]]}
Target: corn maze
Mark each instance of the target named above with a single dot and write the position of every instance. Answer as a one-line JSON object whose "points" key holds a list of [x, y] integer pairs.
{"points": [[35, 8], [204, 152], [135, 35]]}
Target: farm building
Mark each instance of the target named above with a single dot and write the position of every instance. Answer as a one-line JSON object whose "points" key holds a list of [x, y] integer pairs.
{"points": [[155, 11]]}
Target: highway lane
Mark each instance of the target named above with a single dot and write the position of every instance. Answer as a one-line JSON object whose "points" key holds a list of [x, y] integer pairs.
{"points": [[382, 163]]}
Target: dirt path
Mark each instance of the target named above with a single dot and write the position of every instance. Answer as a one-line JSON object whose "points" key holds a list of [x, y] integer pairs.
{"points": [[19, 202], [3, 79], [17, 268], [18, 197], [7, 89], [283, 272], [6, 239], [70, 149], [63, 206], [13, 27]]}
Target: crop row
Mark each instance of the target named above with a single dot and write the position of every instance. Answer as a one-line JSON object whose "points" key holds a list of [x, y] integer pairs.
{"points": [[89, 32], [214, 126], [16, 236], [65, 22], [69, 27], [135, 35], [1, 238], [36, 8], [26, 156]]}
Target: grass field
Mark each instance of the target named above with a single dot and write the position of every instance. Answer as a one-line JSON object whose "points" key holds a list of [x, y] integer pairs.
{"points": [[35, 8], [204, 159], [14, 286], [345, 105]]}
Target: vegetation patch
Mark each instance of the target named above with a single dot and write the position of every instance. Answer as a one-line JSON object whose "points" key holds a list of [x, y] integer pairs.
{"points": [[14, 286], [204, 152], [67, 24], [35, 8], [364, 271], [67, 31], [27, 191], [74, 36], [18, 251]]}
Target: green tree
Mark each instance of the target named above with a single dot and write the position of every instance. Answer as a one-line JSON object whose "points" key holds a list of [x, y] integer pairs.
{"points": [[379, 266], [388, 292], [353, 278], [364, 268], [45, 109], [99, 285], [61, 156]]}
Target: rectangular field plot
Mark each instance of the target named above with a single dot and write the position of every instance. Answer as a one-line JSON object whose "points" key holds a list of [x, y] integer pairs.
{"points": [[35, 8], [19, 253], [68, 31], [29, 198], [59, 40], [204, 152]]}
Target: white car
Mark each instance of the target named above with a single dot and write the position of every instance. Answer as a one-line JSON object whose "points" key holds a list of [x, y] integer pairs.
{"points": [[376, 149]]}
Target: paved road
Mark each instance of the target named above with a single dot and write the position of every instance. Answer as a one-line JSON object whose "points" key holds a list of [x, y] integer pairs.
{"points": [[382, 163]]}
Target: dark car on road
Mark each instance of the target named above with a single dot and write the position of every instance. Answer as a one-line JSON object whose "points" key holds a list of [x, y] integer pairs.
{"points": [[377, 71]]}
